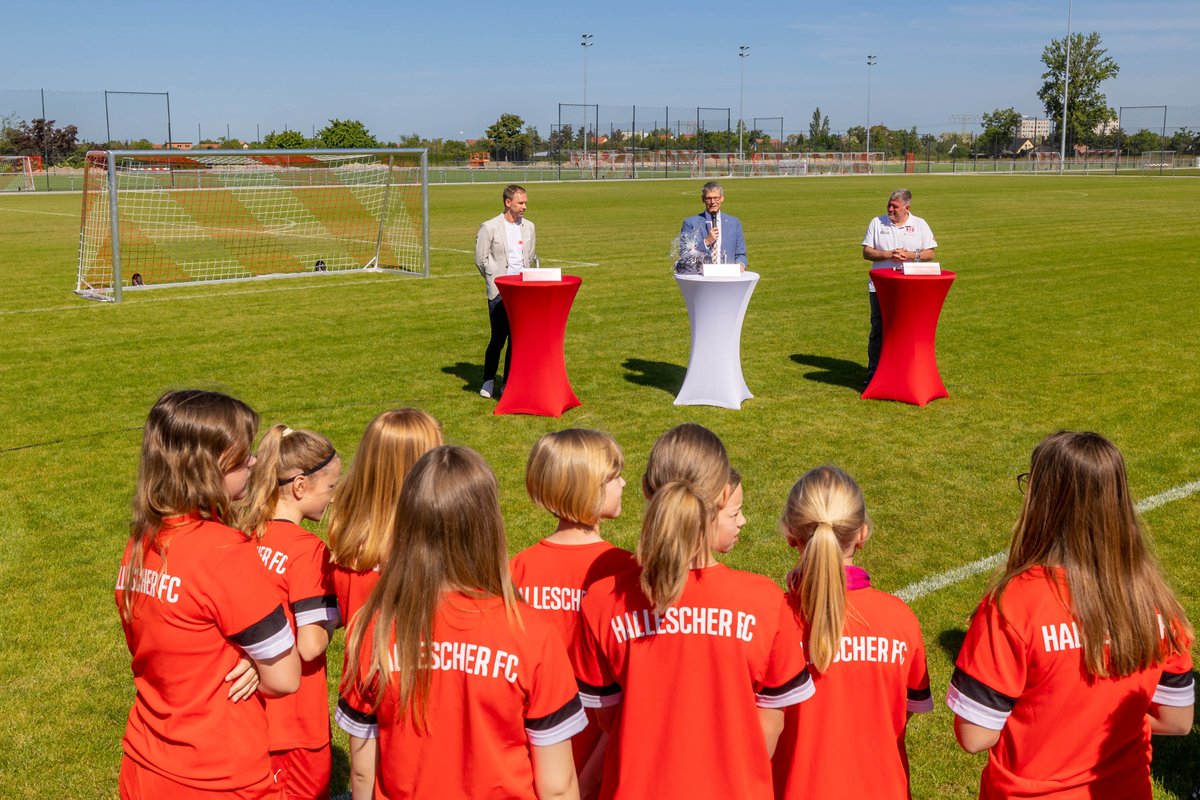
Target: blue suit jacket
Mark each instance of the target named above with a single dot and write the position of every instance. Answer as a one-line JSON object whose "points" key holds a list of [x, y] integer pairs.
{"points": [[733, 243]]}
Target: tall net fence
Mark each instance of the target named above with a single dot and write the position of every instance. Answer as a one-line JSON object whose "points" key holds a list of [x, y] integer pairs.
{"points": [[228, 215]]}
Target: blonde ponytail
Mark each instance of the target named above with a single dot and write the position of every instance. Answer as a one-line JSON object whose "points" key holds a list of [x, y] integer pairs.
{"points": [[283, 455], [824, 517], [675, 537], [821, 591]]}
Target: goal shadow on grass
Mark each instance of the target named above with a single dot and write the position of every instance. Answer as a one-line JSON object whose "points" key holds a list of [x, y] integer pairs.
{"points": [[834, 371], [655, 374]]}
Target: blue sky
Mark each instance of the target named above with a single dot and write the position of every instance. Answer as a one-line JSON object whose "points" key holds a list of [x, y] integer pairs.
{"points": [[441, 69]]}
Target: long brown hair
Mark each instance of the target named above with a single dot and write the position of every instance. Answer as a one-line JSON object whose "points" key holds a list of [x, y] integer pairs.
{"points": [[1078, 515], [283, 453], [824, 515], [191, 439], [449, 536], [363, 513]]}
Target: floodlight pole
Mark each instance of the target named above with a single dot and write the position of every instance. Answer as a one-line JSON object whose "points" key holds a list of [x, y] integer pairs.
{"points": [[1062, 152], [585, 42], [743, 52], [870, 63]]}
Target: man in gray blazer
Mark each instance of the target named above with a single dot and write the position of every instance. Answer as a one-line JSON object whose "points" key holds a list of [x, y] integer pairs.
{"points": [[505, 245]]}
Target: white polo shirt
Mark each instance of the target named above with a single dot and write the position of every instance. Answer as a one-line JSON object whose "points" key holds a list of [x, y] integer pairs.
{"points": [[912, 234]]}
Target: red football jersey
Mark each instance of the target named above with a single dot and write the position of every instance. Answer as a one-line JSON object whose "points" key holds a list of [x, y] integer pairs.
{"points": [[496, 689], [689, 681], [297, 563], [553, 578], [195, 612], [862, 701], [352, 589], [1064, 734]]}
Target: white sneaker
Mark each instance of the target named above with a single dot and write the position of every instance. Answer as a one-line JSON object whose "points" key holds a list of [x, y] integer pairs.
{"points": [[487, 389]]}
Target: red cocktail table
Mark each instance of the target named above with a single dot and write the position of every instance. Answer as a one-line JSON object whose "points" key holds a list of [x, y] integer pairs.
{"points": [[910, 306], [537, 318]]}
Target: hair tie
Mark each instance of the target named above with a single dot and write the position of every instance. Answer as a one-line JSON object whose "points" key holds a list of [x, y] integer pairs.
{"points": [[286, 432], [311, 471]]}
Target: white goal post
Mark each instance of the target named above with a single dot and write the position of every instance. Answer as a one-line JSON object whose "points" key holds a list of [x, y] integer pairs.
{"points": [[169, 218], [16, 173], [1157, 159]]}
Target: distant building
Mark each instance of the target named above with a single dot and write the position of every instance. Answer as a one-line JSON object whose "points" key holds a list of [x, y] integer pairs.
{"points": [[175, 146], [1035, 128], [1019, 146]]}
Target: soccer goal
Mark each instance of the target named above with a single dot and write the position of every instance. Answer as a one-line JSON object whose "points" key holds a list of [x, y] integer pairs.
{"points": [[1158, 159], [16, 173], [169, 218]]}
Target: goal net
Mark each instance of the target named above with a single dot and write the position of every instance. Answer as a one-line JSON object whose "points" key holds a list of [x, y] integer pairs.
{"points": [[168, 218], [16, 173], [1158, 159]]}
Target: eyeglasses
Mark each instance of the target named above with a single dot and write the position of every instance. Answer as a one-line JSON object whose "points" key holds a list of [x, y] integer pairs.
{"points": [[1022, 482], [714, 199]]}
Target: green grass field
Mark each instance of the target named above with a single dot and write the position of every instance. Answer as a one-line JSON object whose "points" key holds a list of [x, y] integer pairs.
{"points": [[1074, 307]]}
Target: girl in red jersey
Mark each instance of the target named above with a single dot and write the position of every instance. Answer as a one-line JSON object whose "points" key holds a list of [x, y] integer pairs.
{"points": [[1079, 651], [469, 694], [575, 475], [361, 521], [864, 649], [193, 599], [691, 662], [292, 480]]}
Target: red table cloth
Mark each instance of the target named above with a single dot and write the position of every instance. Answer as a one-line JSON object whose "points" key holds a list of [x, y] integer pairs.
{"points": [[537, 318], [910, 306]]}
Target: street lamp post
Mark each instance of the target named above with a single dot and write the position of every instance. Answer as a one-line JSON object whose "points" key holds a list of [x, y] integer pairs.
{"points": [[1062, 152], [743, 52], [870, 63], [585, 41]]}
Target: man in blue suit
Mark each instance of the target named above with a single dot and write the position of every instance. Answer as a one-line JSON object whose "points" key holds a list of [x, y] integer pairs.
{"points": [[711, 237]]}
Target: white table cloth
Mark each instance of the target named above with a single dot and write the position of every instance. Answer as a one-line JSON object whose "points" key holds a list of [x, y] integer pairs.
{"points": [[716, 308]]}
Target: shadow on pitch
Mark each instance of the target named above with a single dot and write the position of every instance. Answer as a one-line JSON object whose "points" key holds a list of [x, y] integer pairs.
{"points": [[951, 641], [835, 371], [469, 373], [1176, 764], [656, 374]]}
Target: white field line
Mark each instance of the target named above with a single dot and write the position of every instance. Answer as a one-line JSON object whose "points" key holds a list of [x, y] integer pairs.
{"points": [[44, 213], [935, 582], [169, 297]]}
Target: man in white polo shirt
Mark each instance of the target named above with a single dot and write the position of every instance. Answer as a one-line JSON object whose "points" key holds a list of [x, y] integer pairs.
{"points": [[505, 245], [892, 239]]}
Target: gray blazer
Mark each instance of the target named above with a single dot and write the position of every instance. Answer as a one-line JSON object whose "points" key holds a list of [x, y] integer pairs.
{"points": [[491, 250]]}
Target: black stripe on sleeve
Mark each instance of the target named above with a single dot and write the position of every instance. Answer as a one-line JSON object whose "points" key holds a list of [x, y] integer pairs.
{"points": [[795, 683], [553, 720], [1177, 680], [917, 695], [353, 714], [261, 631], [314, 603], [598, 691], [981, 693]]}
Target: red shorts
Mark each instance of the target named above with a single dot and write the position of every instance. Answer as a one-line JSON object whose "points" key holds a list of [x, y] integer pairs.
{"points": [[303, 774], [138, 783]]}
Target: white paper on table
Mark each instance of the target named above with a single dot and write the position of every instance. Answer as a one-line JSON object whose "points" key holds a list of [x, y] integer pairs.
{"points": [[542, 274]]}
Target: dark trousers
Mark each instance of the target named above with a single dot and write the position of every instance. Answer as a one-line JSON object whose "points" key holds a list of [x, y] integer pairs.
{"points": [[875, 337], [498, 319]]}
